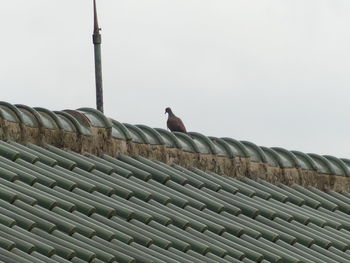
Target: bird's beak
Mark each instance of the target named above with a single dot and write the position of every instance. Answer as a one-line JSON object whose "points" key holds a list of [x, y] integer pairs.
{"points": [[164, 112]]}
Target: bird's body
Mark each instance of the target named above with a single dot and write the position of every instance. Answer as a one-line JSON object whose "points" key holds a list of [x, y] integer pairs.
{"points": [[174, 123]]}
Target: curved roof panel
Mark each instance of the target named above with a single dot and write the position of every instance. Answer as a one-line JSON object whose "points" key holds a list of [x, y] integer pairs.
{"points": [[10, 112], [205, 145], [187, 143], [169, 138], [30, 117], [305, 161], [137, 135], [49, 119], [323, 164], [222, 147], [155, 137], [66, 123], [340, 166], [288, 157], [238, 148], [119, 131], [96, 118], [255, 152], [272, 157]]}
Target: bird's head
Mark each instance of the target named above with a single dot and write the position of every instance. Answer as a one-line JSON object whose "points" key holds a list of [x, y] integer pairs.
{"points": [[168, 110]]}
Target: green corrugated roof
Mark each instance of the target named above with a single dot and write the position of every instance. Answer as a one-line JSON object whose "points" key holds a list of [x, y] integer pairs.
{"points": [[60, 206]]}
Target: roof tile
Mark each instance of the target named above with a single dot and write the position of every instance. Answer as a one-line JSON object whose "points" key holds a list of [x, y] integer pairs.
{"points": [[73, 208]]}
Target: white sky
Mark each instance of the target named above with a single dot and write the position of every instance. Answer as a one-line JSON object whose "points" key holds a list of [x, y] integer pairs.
{"points": [[274, 72]]}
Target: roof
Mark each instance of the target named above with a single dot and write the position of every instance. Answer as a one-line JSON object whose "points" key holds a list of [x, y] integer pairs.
{"points": [[82, 120], [60, 206]]}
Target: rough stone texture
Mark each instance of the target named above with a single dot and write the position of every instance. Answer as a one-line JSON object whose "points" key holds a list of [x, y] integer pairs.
{"points": [[308, 177], [31, 134], [118, 146], [72, 140], [138, 149], [225, 166], [101, 142], [172, 155], [273, 175], [341, 184], [207, 162], [290, 176], [258, 170], [185, 159], [54, 137], [10, 130]]}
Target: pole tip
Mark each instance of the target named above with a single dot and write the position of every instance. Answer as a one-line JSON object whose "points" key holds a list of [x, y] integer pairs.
{"points": [[96, 27]]}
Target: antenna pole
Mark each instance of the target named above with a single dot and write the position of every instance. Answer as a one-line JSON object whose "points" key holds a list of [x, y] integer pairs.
{"points": [[96, 39]]}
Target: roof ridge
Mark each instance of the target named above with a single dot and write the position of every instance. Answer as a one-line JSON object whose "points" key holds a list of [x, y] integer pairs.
{"points": [[88, 130]]}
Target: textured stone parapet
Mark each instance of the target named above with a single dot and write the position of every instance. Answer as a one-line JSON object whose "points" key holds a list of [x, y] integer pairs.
{"points": [[100, 141]]}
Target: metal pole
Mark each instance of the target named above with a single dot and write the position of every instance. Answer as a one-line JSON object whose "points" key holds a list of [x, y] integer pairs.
{"points": [[96, 39]]}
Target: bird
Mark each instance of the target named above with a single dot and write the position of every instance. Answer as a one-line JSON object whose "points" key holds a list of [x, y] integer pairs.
{"points": [[174, 123]]}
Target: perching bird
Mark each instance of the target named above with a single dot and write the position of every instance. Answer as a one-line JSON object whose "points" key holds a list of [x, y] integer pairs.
{"points": [[174, 123]]}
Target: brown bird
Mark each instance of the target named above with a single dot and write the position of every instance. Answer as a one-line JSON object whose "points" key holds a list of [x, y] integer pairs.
{"points": [[174, 123]]}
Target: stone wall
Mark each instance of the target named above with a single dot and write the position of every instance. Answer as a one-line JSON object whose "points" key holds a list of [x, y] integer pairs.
{"points": [[101, 142]]}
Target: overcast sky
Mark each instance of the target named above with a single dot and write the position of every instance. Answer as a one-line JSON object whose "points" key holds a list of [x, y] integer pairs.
{"points": [[274, 72]]}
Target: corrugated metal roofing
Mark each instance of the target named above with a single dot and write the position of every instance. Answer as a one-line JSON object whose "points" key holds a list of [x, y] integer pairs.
{"points": [[60, 206], [80, 121]]}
